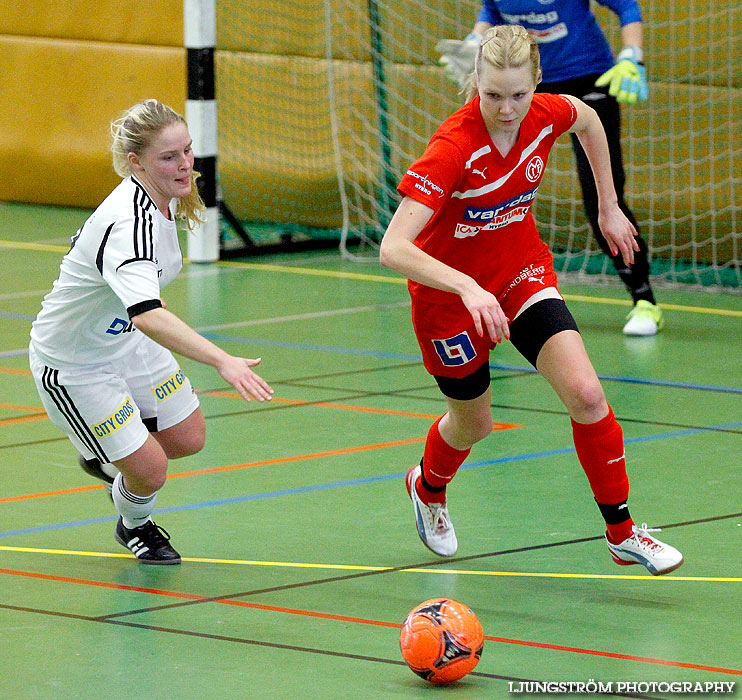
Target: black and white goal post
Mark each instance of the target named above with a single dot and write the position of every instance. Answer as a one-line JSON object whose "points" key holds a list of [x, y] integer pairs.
{"points": [[199, 20]]}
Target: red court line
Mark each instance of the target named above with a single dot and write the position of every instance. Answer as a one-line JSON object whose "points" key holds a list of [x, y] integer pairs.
{"points": [[250, 465], [230, 467], [100, 584], [308, 613], [360, 620], [296, 458], [60, 492], [327, 404], [18, 407], [23, 419], [329, 453], [10, 370], [612, 655], [351, 407], [37, 412]]}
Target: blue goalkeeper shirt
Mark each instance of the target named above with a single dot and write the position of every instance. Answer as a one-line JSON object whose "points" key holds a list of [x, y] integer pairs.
{"points": [[569, 38]]}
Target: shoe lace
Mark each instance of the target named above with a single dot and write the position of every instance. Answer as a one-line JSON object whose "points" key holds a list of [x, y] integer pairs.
{"points": [[441, 519], [156, 535], [644, 539]]}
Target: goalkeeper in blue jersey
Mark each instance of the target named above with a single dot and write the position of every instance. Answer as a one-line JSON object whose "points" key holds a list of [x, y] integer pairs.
{"points": [[577, 60]]}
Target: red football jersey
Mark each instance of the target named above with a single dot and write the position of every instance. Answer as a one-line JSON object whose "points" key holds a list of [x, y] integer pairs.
{"points": [[482, 223]]}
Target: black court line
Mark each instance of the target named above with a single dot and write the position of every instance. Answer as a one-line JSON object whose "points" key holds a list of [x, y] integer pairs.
{"points": [[33, 442], [402, 393], [390, 570], [265, 407], [273, 645], [268, 407], [398, 393], [392, 392], [562, 412], [346, 372]]}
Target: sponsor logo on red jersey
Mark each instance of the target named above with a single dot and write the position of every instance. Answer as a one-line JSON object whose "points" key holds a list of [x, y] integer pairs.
{"points": [[532, 273], [491, 218], [424, 184]]}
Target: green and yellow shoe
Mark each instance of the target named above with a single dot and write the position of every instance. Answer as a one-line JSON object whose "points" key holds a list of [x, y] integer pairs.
{"points": [[644, 319]]}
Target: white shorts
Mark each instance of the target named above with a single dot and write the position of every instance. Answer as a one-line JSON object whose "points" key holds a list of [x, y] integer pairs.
{"points": [[107, 410]]}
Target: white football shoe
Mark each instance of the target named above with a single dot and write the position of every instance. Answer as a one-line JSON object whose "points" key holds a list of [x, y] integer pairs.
{"points": [[642, 548], [433, 521]]}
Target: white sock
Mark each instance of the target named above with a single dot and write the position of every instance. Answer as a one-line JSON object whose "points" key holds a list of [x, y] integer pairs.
{"points": [[134, 510]]}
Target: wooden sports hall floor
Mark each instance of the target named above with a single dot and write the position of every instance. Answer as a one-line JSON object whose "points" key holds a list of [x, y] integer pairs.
{"points": [[300, 553]]}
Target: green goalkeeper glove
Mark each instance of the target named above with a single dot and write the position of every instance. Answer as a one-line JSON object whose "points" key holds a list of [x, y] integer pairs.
{"points": [[627, 80], [457, 57]]}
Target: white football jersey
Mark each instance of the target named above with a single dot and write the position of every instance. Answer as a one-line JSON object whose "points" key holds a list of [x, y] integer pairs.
{"points": [[120, 259]]}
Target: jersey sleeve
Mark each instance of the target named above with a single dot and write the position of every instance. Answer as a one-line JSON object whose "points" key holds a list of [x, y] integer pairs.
{"points": [[489, 13], [432, 178], [126, 261], [628, 11], [563, 112]]}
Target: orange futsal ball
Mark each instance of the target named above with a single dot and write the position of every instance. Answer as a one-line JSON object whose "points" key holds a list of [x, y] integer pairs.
{"points": [[441, 640]]}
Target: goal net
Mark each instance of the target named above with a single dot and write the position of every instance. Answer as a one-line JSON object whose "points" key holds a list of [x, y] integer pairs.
{"points": [[323, 106]]}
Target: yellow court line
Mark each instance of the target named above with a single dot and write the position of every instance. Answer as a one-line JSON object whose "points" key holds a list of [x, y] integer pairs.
{"points": [[45, 247], [338, 274], [387, 279], [314, 272], [668, 307], [353, 567], [67, 552]]}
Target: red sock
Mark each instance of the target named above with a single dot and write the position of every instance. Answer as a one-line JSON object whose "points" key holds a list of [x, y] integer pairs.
{"points": [[440, 463], [600, 450], [619, 532]]}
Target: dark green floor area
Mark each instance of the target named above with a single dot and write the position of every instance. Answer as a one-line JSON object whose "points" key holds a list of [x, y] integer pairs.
{"points": [[301, 556]]}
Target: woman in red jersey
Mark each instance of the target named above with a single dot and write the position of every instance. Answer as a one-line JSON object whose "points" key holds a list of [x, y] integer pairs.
{"points": [[464, 236]]}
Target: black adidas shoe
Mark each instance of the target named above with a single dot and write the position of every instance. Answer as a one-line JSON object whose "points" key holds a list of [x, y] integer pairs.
{"points": [[149, 542], [92, 467]]}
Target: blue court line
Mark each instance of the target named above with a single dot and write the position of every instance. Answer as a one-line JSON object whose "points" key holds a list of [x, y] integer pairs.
{"points": [[417, 358], [14, 353], [356, 482], [496, 366], [16, 317], [309, 346]]}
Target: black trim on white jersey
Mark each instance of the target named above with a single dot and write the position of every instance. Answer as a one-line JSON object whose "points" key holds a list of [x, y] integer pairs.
{"points": [[99, 257], [63, 401], [144, 246], [143, 224], [142, 306]]}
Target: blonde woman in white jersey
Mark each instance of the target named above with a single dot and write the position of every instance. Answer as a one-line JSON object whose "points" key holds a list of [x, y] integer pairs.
{"points": [[100, 347]]}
